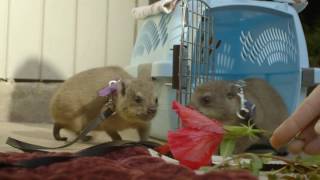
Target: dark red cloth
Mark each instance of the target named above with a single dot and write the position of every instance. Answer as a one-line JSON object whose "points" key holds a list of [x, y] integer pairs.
{"points": [[132, 163]]}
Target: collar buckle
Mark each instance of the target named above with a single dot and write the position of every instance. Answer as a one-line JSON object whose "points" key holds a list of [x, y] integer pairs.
{"points": [[247, 109]]}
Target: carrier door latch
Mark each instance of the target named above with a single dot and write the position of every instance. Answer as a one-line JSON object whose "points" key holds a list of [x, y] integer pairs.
{"points": [[175, 67], [180, 67], [310, 76]]}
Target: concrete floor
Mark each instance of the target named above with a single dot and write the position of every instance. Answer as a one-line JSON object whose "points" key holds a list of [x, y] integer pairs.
{"points": [[41, 134]]}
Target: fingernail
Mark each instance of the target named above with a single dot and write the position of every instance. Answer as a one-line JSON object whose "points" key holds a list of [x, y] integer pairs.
{"points": [[274, 143]]}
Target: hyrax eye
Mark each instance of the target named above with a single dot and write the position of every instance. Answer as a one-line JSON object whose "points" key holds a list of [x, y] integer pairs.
{"points": [[156, 100], [230, 95], [205, 99], [138, 99]]}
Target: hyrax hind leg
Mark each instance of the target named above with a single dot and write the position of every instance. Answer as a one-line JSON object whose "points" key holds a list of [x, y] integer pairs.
{"points": [[56, 132], [77, 126]]}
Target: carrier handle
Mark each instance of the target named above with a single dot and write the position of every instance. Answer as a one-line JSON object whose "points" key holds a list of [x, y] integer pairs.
{"points": [[298, 6]]}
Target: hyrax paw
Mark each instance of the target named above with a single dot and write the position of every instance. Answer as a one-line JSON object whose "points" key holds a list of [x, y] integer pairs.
{"points": [[86, 138]]}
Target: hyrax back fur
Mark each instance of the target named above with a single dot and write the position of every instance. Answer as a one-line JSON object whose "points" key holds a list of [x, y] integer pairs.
{"points": [[77, 102], [218, 99]]}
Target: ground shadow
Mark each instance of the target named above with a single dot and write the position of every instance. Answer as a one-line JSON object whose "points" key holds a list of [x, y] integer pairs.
{"points": [[31, 96]]}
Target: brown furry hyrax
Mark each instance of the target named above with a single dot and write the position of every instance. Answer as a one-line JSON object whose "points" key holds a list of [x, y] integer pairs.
{"points": [[219, 100], [77, 102]]}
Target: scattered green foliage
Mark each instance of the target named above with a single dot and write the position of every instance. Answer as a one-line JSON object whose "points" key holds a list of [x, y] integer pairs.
{"points": [[297, 168], [229, 142]]}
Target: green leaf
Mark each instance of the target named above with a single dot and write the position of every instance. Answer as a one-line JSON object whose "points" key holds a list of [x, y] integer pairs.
{"points": [[267, 157], [233, 132], [256, 163], [227, 147], [310, 161]]}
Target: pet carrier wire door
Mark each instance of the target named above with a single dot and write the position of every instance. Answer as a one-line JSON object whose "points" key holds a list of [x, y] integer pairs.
{"points": [[196, 49]]}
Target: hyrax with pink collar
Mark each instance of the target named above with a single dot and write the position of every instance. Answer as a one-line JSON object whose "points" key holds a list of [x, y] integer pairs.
{"points": [[77, 102]]}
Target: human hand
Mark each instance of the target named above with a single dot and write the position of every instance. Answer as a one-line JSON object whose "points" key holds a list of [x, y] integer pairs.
{"points": [[302, 129]]}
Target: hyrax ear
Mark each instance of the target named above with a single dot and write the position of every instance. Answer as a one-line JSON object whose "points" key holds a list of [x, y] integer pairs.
{"points": [[144, 71], [122, 87]]}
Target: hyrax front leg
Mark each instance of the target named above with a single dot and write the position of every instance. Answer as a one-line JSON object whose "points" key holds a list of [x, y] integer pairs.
{"points": [[115, 136], [144, 132], [85, 138], [79, 126]]}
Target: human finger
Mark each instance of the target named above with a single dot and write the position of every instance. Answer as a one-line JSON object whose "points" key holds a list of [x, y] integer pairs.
{"points": [[297, 144], [299, 120], [313, 147], [317, 127], [308, 133]]}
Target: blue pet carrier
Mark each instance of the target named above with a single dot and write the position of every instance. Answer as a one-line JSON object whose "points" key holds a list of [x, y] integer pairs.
{"points": [[224, 39]]}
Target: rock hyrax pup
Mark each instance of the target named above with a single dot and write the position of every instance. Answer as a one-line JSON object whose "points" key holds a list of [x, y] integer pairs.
{"points": [[76, 103], [219, 99]]}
